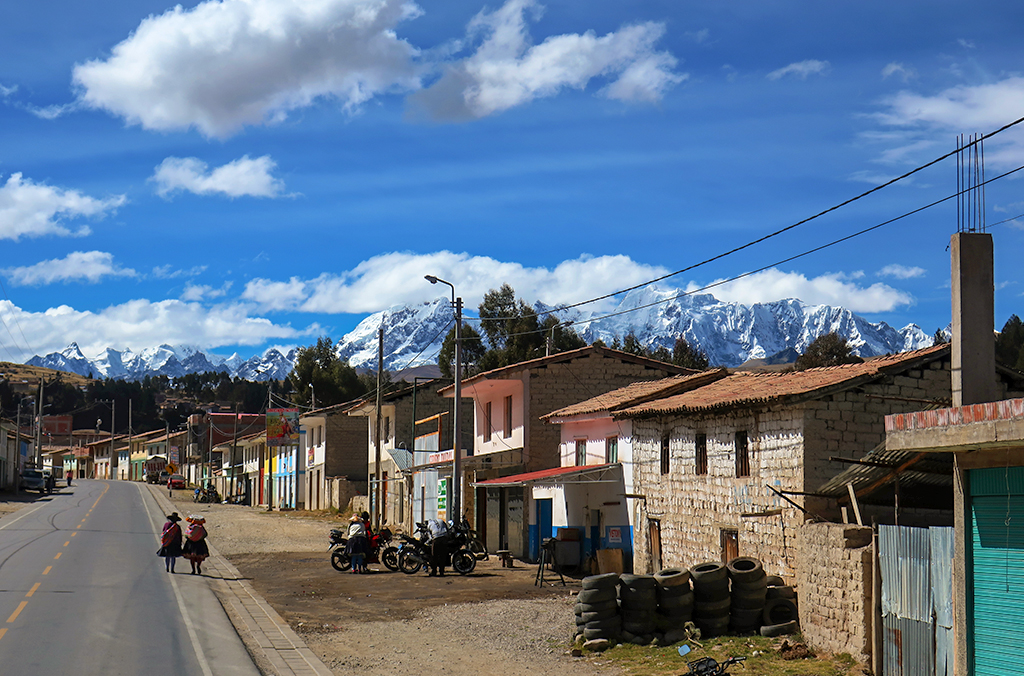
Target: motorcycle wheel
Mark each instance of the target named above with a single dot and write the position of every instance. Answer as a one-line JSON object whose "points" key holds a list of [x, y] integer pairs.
{"points": [[389, 557], [463, 562], [340, 560], [409, 562], [478, 549]]}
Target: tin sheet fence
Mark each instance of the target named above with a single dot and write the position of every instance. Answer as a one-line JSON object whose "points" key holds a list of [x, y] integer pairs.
{"points": [[917, 600]]}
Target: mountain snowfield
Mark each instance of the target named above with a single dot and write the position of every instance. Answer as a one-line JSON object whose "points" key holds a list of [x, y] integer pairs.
{"points": [[730, 334]]}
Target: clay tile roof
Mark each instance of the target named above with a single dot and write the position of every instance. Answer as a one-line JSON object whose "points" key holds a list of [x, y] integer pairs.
{"points": [[637, 393], [749, 389]]}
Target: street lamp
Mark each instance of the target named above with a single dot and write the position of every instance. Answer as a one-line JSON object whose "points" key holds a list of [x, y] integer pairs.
{"points": [[456, 426]]}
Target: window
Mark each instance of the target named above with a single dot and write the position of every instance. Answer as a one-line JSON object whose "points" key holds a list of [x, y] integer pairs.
{"points": [[487, 421], [581, 452], [664, 455], [611, 449], [700, 443], [742, 456], [387, 428], [508, 416]]}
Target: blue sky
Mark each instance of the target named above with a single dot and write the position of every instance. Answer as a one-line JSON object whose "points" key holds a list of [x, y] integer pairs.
{"points": [[237, 175]]}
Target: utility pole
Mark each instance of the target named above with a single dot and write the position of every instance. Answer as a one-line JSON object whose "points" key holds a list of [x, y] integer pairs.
{"points": [[113, 455], [37, 454], [456, 497], [234, 446], [270, 456], [379, 501]]}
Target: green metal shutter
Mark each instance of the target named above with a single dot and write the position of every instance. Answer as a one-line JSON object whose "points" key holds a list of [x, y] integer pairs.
{"points": [[997, 571]]}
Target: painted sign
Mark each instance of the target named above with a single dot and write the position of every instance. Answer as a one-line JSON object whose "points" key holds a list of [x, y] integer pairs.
{"points": [[174, 454], [442, 495], [283, 427], [443, 456], [614, 535]]}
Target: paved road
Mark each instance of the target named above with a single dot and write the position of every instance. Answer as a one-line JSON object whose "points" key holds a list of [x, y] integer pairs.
{"points": [[83, 592]]}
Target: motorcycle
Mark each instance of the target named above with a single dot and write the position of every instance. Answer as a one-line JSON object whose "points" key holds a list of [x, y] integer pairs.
{"points": [[380, 551], [414, 553], [206, 494], [708, 666]]}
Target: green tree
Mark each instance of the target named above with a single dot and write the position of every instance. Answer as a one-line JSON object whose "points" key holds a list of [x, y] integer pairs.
{"points": [[473, 350], [688, 357], [319, 371], [1010, 343], [632, 345], [830, 349]]}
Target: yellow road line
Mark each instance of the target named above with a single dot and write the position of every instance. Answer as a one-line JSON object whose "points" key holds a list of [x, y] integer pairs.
{"points": [[67, 543], [74, 534], [57, 557], [14, 615], [3, 631], [33, 590], [80, 525], [47, 571]]}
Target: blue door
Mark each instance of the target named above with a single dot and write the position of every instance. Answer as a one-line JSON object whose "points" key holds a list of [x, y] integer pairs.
{"points": [[544, 529]]}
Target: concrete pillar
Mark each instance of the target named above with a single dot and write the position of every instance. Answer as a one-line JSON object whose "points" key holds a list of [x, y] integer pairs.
{"points": [[973, 350]]}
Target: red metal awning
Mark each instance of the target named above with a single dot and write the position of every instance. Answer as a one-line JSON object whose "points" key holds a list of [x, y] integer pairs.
{"points": [[556, 476]]}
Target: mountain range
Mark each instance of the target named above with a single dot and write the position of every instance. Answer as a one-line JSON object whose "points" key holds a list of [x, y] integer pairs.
{"points": [[729, 333]]}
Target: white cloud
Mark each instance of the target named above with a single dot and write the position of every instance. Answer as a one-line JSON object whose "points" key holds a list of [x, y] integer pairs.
{"points": [[143, 322], [87, 266], [199, 292], [506, 70], [827, 289], [699, 37], [241, 177], [396, 278], [224, 64], [168, 272], [35, 209], [801, 69], [899, 70], [966, 44], [7, 91], [901, 271], [52, 112]]}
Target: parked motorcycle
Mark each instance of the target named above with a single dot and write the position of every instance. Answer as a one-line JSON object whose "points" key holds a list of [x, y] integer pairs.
{"points": [[414, 553], [206, 494], [380, 551], [708, 666]]}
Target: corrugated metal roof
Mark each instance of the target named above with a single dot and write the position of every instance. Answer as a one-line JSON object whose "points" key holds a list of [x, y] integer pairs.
{"points": [[402, 458], [914, 470]]}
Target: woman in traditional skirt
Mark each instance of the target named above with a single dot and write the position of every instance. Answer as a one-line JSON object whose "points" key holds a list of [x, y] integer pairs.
{"points": [[170, 541], [358, 544], [196, 549]]}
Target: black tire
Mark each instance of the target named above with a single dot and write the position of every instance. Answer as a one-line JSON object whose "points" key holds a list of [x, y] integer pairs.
{"points": [[638, 598], [340, 560], [640, 629], [638, 616], [479, 549], [597, 617], [463, 562], [779, 611], [775, 581], [752, 586], [598, 607], [709, 628], [591, 634], [772, 630], [745, 569], [781, 592], [637, 581], [672, 577], [389, 557], [748, 619], [749, 601], [612, 624], [604, 581], [712, 571], [410, 562], [674, 602], [711, 608], [711, 591], [674, 592], [596, 595]]}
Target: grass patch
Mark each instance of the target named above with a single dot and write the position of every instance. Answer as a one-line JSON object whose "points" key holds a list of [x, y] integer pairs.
{"points": [[762, 655]]}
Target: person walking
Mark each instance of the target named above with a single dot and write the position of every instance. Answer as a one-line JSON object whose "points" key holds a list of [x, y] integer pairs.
{"points": [[68, 476], [170, 541], [358, 544], [195, 548]]}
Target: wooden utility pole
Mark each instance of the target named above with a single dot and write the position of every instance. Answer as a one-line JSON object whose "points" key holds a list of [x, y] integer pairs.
{"points": [[234, 447], [379, 499]]}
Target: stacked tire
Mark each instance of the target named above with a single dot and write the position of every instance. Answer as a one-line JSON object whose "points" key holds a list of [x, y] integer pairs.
{"points": [[780, 615], [597, 608], [749, 591], [638, 605], [675, 601], [711, 600]]}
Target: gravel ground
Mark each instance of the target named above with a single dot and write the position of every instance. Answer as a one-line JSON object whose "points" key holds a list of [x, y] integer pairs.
{"points": [[503, 636]]}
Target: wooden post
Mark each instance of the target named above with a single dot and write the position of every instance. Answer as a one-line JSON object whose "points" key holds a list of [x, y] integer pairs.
{"points": [[854, 504]]}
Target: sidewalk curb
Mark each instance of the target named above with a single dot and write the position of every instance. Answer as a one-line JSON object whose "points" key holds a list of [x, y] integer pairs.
{"points": [[279, 646]]}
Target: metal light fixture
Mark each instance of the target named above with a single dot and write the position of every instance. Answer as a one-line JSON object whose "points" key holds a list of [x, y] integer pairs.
{"points": [[456, 426]]}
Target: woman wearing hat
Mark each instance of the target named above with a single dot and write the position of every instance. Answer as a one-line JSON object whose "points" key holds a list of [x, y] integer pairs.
{"points": [[358, 544], [196, 550], [170, 541]]}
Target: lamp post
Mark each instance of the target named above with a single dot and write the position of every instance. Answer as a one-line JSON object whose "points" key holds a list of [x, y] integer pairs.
{"points": [[457, 425]]}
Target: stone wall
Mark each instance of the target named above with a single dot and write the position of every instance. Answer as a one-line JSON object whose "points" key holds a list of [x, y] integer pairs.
{"points": [[833, 582]]}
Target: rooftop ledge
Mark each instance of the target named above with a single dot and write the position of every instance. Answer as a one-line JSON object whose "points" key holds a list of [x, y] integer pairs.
{"points": [[993, 425]]}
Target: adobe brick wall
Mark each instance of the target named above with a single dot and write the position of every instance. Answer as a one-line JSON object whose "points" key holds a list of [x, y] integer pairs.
{"points": [[345, 446], [833, 583]]}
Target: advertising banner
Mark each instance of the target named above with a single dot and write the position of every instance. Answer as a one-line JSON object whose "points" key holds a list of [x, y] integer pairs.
{"points": [[282, 427]]}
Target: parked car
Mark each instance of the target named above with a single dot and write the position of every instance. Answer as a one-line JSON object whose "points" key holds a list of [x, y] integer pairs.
{"points": [[32, 480], [176, 481], [163, 477]]}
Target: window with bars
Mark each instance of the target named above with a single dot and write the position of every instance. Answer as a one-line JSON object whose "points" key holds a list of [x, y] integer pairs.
{"points": [[581, 452], [701, 454], [611, 449], [664, 455], [742, 455]]}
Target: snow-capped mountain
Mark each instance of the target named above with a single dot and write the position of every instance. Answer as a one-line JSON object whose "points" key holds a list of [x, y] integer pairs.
{"points": [[729, 333]]}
